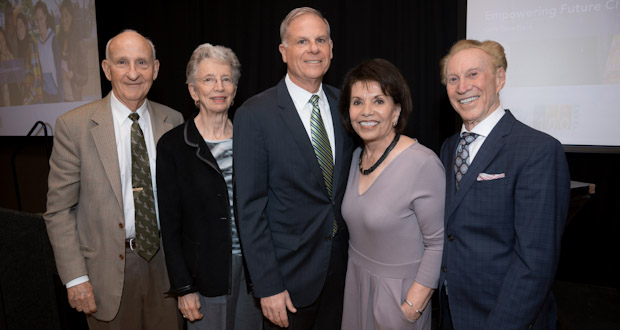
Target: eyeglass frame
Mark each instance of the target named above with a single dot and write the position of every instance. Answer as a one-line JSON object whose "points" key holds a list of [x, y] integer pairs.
{"points": [[225, 80]]}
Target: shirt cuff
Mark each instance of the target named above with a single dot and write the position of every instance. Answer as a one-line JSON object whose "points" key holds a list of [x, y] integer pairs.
{"points": [[79, 280]]}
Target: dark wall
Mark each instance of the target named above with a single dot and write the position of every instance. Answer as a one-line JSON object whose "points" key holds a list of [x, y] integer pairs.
{"points": [[590, 246], [411, 34], [414, 35]]}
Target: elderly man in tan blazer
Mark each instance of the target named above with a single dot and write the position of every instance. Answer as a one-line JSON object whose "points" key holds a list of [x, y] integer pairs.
{"points": [[95, 226]]}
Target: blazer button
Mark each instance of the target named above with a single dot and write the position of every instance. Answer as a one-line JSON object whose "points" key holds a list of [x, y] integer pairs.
{"points": [[451, 237], [121, 256], [328, 237], [121, 225], [444, 269]]}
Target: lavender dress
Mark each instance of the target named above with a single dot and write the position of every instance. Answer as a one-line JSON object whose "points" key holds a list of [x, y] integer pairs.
{"points": [[396, 229]]}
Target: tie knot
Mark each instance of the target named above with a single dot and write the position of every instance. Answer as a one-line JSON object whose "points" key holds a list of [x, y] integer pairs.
{"points": [[314, 100], [134, 117], [469, 137]]}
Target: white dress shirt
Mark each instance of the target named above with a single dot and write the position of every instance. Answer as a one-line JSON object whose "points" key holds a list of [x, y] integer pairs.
{"points": [[301, 98], [483, 129], [122, 132]]}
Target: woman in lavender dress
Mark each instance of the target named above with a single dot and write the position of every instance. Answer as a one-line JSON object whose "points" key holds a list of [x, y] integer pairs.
{"points": [[393, 206]]}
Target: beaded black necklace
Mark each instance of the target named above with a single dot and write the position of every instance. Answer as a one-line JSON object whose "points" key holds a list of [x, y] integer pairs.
{"points": [[381, 159]]}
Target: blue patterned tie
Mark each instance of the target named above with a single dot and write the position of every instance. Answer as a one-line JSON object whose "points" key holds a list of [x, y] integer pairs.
{"points": [[147, 233], [322, 147], [462, 154]]}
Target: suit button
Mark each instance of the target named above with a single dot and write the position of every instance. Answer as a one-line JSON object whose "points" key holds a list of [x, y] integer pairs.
{"points": [[328, 237], [451, 237], [444, 269], [121, 256], [121, 225]]}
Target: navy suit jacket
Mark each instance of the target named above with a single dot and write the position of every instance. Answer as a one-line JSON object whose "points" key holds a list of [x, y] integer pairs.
{"points": [[503, 235], [285, 214]]}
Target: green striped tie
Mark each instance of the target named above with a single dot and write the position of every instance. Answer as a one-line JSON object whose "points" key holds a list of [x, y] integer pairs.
{"points": [[322, 147], [147, 233]]}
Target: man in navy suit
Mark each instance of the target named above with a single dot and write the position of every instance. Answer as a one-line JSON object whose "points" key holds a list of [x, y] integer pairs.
{"points": [[292, 233], [507, 197]]}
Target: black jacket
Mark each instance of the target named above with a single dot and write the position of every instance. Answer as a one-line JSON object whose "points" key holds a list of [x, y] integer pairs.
{"points": [[194, 214]]}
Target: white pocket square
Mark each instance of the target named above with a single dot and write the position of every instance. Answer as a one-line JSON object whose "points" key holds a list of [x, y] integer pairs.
{"points": [[488, 177]]}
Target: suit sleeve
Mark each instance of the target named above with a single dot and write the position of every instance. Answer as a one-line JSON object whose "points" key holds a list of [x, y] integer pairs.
{"points": [[62, 201], [541, 198], [251, 166]]}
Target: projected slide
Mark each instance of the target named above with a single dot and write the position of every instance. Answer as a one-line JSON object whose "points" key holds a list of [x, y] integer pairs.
{"points": [[563, 72], [49, 61]]}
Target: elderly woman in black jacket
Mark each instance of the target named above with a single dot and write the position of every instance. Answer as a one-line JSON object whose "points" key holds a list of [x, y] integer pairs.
{"points": [[194, 183]]}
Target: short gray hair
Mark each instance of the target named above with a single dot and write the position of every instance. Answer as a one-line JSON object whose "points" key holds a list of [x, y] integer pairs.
{"points": [[293, 14], [107, 46], [217, 53]]}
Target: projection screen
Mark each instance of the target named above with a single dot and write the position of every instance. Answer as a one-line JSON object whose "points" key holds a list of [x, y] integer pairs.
{"points": [[563, 72], [49, 62]]}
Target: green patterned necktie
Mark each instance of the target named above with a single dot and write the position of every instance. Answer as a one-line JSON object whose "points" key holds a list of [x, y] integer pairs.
{"points": [[147, 233], [322, 147]]}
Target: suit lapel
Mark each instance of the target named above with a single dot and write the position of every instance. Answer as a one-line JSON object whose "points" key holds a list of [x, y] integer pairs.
{"points": [[449, 167], [158, 121], [105, 142], [195, 140], [298, 131], [339, 137], [487, 153]]}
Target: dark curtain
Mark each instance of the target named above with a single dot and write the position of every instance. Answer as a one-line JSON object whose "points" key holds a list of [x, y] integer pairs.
{"points": [[413, 35]]}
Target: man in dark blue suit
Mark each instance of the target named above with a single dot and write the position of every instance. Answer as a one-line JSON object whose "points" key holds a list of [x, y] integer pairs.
{"points": [[507, 197], [289, 187]]}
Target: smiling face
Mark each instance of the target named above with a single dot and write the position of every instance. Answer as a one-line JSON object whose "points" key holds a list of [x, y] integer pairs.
{"points": [[473, 84], [307, 51], [65, 20], [372, 113], [213, 88], [21, 29], [40, 21], [131, 68]]}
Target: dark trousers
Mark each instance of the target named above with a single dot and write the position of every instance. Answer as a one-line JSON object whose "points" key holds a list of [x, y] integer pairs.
{"points": [[326, 312], [445, 321]]}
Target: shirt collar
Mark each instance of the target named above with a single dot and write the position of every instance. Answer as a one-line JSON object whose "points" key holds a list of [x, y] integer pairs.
{"points": [[121, 112], [301, 96], [485, 127]]}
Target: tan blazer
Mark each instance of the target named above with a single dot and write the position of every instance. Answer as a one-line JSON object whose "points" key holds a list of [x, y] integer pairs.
{"points": [[84, 217]]}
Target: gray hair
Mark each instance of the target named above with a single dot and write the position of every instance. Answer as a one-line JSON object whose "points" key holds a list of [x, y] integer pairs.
{"points": [[217, 53], [107, 46], [293, 14]]}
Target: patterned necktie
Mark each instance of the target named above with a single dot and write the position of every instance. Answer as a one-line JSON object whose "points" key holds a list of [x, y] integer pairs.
{"points": [[462, 154], [322, 147], [147, 233]]}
